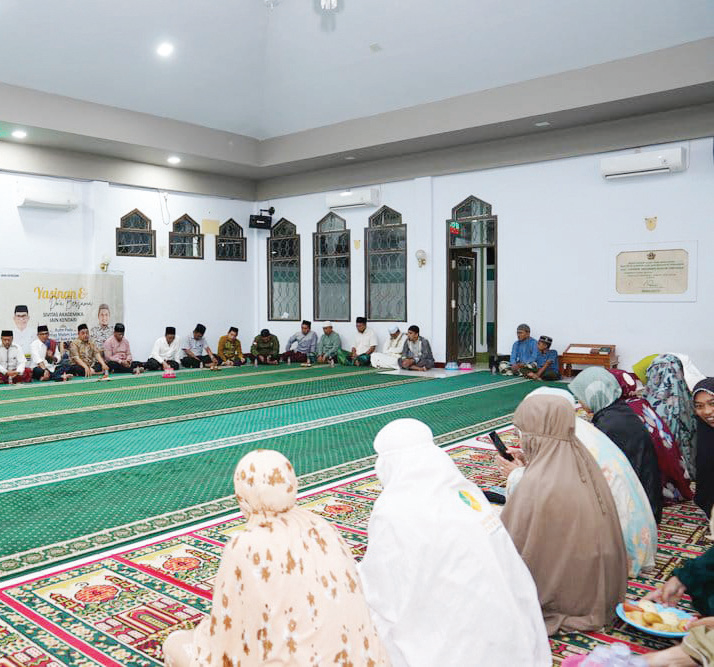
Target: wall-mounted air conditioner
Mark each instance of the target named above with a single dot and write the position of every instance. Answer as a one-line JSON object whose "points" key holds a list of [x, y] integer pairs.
{"points": [[638, 164], [352, 198], [46, 199]]}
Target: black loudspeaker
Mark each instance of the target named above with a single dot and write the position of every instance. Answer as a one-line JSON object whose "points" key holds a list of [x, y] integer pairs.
{"points": [[260, 221]]}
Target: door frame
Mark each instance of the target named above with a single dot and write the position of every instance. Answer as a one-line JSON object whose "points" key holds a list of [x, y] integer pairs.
{"points": [[450, 333]]}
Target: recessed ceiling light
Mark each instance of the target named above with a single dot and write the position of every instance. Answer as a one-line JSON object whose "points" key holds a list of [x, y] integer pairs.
{"points": [[165, 49], [350, 157], [542, 123], [19, 134], [173, 160]]}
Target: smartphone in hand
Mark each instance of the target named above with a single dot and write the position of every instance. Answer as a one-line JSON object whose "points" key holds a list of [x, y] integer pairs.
{"points": [[500, 447]]}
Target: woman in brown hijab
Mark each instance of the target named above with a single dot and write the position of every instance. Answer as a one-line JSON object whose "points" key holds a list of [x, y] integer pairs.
{"points": [[563, 521]]}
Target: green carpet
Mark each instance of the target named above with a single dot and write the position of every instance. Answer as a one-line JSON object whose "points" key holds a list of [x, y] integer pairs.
{"points": [[123, 485]]}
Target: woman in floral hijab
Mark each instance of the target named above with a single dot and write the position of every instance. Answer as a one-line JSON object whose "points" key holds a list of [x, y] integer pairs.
{"points": [[287, 590], [667, 393]]}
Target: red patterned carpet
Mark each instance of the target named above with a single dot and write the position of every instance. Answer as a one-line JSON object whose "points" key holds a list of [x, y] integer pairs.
{"points": [[118, 610]]}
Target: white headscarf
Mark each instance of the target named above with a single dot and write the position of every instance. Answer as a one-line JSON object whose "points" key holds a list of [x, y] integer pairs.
{"points": [[442, 577]]}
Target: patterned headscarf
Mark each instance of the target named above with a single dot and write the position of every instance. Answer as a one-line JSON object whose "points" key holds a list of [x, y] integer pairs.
{"points": [[667, 392], [287, 590], [595, 388]]}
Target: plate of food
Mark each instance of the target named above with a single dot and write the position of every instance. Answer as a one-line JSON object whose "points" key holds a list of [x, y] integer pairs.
{"points": [[655, 619]]}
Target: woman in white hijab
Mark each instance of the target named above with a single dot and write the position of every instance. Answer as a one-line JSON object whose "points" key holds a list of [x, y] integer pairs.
{"points": [[639, 528], [287, 592], [442, 577]]}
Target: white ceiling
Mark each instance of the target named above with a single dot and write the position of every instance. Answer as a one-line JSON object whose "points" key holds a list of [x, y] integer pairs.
{"points": [[246, 69]]}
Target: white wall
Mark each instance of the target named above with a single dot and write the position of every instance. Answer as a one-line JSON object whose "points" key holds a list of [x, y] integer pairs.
{"points": [[557, 223], [157, 291]]}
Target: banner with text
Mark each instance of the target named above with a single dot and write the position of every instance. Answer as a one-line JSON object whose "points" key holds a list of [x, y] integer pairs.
{"points": [[62, 301]]}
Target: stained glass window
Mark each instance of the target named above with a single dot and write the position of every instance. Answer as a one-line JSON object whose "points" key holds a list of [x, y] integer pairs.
{"points": [[472, 224], [134, 236], [331, 257], [186, 240], [230, 243], [386, 259], [284, 272]]}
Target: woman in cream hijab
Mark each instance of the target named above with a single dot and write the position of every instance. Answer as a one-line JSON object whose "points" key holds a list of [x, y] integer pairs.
{"points": [[639, 528], [444, 582], [287, 591], [563, 521]]}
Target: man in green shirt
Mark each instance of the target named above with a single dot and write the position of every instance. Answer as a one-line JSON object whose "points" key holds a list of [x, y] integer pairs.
{"points": [[229, 349], [329, 345], [265, 348]]}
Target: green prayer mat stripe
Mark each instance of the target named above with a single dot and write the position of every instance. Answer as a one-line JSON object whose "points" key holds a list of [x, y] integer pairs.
{"points": [[307, 405], [37, 391], [109, 400], [44, 556], [12, 484], [48, 514], [111, 418], [145, 579]]}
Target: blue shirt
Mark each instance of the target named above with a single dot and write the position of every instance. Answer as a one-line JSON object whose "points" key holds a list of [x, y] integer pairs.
{"points": [[306, 343], [548, 355], [524, 351]]}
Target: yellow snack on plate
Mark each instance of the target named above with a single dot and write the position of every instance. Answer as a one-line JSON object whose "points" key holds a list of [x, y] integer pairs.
{"points": [[648, 605], [669, 618], [635, 617], [650, 618]]}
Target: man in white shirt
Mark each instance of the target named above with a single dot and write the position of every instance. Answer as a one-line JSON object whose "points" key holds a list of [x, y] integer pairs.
{"points": [[165, 353], [22, 332], [391, 350], [45, 358], [365, 342], [196, 352], [12, 361]]}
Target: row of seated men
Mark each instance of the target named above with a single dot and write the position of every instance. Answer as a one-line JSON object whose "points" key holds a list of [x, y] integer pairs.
{"points": [[446, 580], [85, 356]]}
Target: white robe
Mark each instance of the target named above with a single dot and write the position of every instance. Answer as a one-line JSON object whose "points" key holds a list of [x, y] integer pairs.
{"points": [[442, 577], [391, 351]]}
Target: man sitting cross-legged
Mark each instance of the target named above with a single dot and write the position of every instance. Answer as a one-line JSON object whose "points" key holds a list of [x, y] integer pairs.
{"points": [[365, 342], [329, 345], [545, 366], [117, 353], [416, 354], [305, 342], [12, 361], [391, 350], [524, 351], [86, 358], [265, 348], [229, 350], [196, 351], [46, 358], [165, 353]]}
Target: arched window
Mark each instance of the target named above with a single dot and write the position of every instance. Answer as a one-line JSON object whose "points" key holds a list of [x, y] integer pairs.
{"points": [[472, 224], [284, 272], [230, 243], [186, 240], [331, 275], [386, 262], [134, 236]]}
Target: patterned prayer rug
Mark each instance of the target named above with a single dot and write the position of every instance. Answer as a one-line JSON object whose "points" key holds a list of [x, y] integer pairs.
{"points": [[118, 610]]}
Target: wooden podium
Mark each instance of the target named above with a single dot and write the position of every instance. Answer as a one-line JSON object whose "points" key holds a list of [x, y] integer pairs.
{"points": [[587, 354]]}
